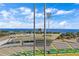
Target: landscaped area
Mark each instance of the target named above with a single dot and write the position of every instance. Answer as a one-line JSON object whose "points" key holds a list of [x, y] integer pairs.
{"points": [[51, 52]]}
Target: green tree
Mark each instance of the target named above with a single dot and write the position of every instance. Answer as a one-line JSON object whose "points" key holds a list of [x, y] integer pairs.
{"points": [[77, 34], [40, 30], [70, 34]]}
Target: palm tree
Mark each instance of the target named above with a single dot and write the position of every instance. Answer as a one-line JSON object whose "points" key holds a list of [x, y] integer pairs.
{"points": [[48, 16], [40, 30]]}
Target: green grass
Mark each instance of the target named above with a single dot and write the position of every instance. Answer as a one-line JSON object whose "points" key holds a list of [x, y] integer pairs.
{"points": [[53, 51], [61, 51], [71, 50], [41, 52], [23, 53], [29, 53], [77, 51]]}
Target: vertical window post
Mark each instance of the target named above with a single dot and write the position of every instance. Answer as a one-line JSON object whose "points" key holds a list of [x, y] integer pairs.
{"points": [[44, 30], [34, 33]]}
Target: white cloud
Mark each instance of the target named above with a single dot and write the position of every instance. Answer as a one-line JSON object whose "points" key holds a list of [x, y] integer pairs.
{"points": [[15, 24], [25, 10], [23, 13], [50, 10], [5, 13], [13, 11], [58, 25], [40, 24], [27, 16], [60, 12], [39, 15], [63, 24]]}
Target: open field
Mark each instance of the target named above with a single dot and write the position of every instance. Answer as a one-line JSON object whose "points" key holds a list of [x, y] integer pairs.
{"points": [[10, 44]]}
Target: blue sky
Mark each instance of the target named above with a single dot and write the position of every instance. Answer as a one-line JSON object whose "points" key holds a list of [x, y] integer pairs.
{"points": [[20, 15]]}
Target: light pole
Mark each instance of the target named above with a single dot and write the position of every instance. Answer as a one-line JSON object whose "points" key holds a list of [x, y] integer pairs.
{"points": [[34, 32], [44, 30]]}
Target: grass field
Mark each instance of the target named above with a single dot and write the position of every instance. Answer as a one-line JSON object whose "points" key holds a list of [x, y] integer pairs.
{"points": [[52, 52]]}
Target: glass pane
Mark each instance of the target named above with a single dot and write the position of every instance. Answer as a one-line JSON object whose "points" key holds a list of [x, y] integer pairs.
{"points": [[16, 29], [62, 24], [39, 36]]}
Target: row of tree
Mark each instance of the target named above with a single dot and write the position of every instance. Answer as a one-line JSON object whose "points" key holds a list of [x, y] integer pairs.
{"points": [[68, 35]]}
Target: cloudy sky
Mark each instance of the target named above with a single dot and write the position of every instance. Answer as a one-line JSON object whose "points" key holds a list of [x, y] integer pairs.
{"points": [[20, 15]]}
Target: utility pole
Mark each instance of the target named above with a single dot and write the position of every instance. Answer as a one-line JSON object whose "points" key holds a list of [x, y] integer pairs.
{"points": [[34, 32], [44, 30]]}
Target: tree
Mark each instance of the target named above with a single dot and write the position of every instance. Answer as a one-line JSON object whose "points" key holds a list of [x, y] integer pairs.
{"points": [[77, 34], [48, 16], [39, 30], [69, 34]]}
